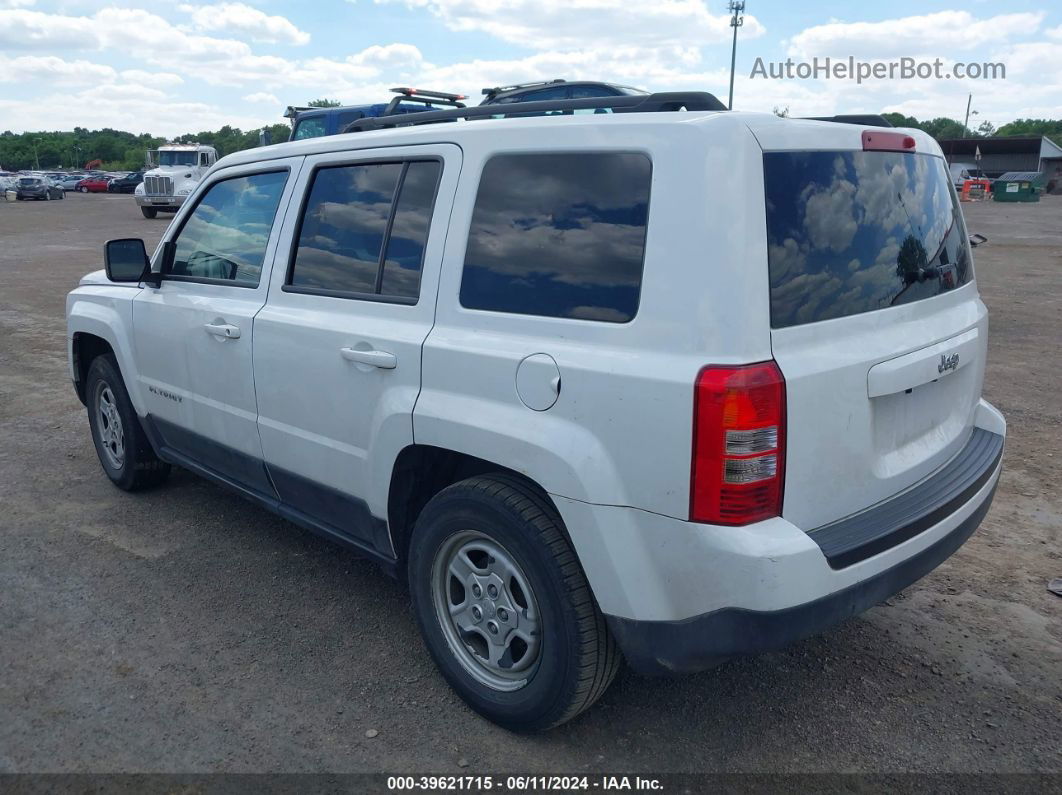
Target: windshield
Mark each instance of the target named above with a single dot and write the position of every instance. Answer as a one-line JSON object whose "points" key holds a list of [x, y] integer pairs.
{"points": [[170, 158]]}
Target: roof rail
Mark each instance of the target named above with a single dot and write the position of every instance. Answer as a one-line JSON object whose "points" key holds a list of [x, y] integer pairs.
{"points": [[493, 92], [865, 119], [653, 103]]}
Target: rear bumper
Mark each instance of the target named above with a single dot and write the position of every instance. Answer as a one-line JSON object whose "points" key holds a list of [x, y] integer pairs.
{"points": [[681, 596], [671, 647]]}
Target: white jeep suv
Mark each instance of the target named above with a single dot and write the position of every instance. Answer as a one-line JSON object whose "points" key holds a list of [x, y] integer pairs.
{"points": [[654, 385]]}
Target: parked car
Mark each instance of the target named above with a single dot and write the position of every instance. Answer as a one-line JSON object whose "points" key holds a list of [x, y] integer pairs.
{"points": [[69, 181], [617, 386], [93, 184], [317, 122], [126, 184], [558, 89], [41, 188]]}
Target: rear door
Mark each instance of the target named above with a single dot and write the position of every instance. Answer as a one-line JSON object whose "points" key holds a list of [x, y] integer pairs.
{"points": [[337, 354], [876, 321]]}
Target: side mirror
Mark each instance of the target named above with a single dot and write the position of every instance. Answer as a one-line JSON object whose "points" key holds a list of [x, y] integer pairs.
{"points": [[125, 259]]}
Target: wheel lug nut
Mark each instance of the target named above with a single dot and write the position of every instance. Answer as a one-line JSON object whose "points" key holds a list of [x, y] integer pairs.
{"points": [[492, 591], [492, 628], [477, 591], [503, 614], [477, 613]]}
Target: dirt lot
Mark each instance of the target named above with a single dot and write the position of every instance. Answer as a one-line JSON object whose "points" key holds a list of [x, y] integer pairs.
{"points": [[186, 630]]}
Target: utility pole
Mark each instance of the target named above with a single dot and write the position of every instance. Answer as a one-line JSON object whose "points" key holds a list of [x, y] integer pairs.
{"points": [[737, 9], [36, 159], [966, 121]]}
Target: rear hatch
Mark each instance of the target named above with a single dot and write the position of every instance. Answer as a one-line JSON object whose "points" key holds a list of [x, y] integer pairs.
{"points": [[876, 321]]}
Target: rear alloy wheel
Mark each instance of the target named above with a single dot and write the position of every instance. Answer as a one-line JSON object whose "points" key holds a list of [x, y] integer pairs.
{"points": [[82, 189], [504, 607]]}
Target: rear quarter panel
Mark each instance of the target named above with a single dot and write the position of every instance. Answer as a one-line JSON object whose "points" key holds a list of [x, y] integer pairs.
{"points": [[620, 431]]}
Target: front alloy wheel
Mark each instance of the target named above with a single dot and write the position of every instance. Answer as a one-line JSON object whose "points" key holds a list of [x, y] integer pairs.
{"points": [[109, 426]]}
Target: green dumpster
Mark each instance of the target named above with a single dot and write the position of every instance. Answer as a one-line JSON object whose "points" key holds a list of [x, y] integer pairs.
{"points": [[1018, 186]]}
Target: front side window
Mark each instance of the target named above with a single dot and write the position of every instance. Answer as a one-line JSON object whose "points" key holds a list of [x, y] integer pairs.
{"points": [[561, 235], [852, 232], [226, 235], [364, 229]]}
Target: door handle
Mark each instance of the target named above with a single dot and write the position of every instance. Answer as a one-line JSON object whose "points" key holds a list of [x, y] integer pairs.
{"points": [[224, 330], [381, 359]]}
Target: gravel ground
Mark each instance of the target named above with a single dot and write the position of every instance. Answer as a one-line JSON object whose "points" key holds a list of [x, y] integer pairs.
{"points": [[187, 630]]}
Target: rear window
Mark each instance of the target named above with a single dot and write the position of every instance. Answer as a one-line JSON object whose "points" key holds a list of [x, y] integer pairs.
{"points": [[851, 232], [313, 127]]}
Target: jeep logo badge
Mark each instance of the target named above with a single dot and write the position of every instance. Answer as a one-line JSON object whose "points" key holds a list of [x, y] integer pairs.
{"points": [[948, 363]]}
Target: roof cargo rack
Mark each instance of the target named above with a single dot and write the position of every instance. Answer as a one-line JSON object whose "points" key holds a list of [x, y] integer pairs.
{"points": [[865, 119], [664, 102], [429, 98], [493, 92]]}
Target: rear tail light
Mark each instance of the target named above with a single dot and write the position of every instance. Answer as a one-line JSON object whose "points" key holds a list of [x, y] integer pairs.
{"points": [[738, 444]]}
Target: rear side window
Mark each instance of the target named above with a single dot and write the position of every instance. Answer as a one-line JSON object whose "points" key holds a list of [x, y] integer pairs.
{"points": [[851, 232], [364, 229], [560, 235]]}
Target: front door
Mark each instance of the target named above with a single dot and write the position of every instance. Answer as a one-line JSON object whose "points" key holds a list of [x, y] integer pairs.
{"points": [[337, 347], [194, 332]]}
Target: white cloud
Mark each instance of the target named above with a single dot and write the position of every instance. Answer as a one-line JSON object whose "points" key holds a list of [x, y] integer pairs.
{"points": [[262, 97], [54, 70], [560, 24], [30, 30], [16, 3], [929, 34], [241, 19], [156, 79]]}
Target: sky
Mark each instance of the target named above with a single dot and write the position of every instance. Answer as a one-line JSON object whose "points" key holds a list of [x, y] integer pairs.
{"points": [[170, 68]]}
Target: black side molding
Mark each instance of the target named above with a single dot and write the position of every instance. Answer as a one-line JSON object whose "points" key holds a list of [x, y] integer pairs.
{"points": [[909, 513], [322, 511]]}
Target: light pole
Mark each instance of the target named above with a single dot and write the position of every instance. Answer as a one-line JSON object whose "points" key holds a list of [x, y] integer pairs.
{"points": [[966, 121], [737, 9], [36, 159]]}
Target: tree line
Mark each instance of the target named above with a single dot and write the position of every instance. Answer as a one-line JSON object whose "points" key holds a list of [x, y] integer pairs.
{"points": [[123, 151], [117, 149], [943, 127]]}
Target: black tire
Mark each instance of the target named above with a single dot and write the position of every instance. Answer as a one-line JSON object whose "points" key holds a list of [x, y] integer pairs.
{"points": [[577, 657], [149, 212], [138, 467]]}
